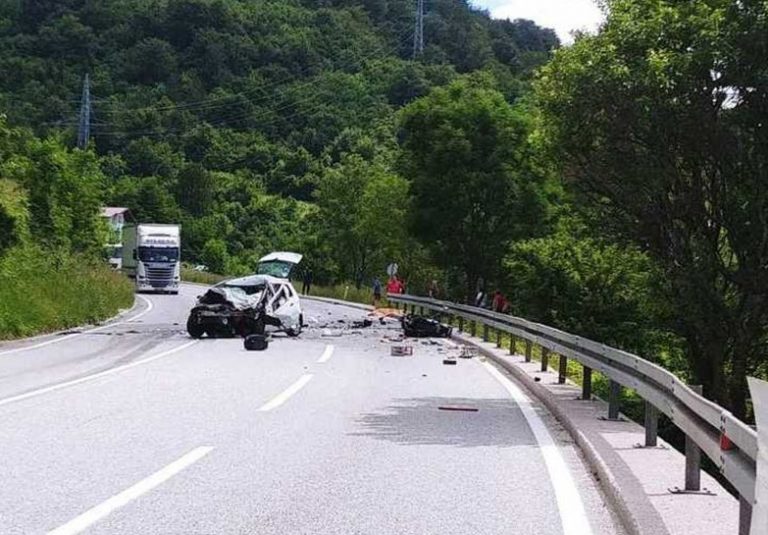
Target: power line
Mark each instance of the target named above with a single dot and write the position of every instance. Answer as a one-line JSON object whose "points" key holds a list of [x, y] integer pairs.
{"points": [[241, 117], [221, 102]]}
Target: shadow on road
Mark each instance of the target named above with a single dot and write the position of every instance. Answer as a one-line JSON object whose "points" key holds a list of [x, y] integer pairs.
{"points": [[497, 422]]}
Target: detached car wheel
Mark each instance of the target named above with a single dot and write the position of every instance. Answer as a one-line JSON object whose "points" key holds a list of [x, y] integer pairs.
{"points": [[194, 329]]}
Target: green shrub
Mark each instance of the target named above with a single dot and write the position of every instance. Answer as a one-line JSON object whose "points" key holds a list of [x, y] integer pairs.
{"points": [[200, 277], [42, 291]]}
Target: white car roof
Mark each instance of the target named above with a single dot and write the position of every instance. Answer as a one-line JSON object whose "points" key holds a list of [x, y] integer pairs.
{"points": [[282, 256], [253, 280]]}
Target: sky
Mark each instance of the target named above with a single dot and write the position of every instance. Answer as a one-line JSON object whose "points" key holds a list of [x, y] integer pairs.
{"points": [[562, 15]]}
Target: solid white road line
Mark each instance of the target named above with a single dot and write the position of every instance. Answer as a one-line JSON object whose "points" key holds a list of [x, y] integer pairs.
{"points": [[327, 354], [104, 509], [286, 394], [572, 514], [74, 382], [56, 340]]}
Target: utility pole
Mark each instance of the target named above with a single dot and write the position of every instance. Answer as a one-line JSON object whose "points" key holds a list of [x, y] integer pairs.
{"points": [[84, 128], [418, 34]]}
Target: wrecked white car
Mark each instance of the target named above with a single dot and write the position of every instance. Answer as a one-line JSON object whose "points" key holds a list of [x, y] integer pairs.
{"points": [[245, 306]]}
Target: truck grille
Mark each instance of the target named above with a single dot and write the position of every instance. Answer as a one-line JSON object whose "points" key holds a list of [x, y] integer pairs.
{"points": [[160, 277]]}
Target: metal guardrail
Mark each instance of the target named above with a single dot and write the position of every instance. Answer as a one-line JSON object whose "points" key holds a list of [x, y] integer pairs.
{"points": [[728, 442]]}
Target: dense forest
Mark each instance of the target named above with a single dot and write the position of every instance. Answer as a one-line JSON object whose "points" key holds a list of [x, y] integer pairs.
{"points": [[615, 187], [234, 117]]}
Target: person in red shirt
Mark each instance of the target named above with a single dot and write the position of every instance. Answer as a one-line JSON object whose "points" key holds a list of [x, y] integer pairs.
{"points": [[394, 286], [499, 303]]}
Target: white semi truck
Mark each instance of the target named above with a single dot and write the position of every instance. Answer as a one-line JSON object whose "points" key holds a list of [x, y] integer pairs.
{"points": [[152, 256]]}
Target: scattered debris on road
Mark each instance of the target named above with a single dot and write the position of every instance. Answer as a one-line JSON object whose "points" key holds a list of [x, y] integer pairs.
{"points": [[457, 409], [402, 351], [421, 327]]}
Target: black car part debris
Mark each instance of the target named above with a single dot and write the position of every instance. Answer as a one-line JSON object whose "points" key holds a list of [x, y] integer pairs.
{"points": [[255, 342], [421, 327]]}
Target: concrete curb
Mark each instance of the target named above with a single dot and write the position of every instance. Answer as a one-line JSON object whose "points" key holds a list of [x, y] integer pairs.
{"points": [[600, 469]]}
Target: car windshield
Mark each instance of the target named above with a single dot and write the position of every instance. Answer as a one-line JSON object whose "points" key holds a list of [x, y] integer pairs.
{"points": [[158, 254], [275, 268]]}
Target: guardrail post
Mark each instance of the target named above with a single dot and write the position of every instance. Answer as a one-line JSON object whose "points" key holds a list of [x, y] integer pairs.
{"points": [[562, 370], [528, 351], [512, 344], [544, 359], [485, 332], [473, 331], [498, 338], [745, 516], [651, 425], [614, 401], [586, 384], [461, 324], [693, 458]]}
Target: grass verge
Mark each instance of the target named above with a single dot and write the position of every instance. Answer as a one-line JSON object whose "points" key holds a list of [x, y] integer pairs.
{"points": [[201, 277], [42, 291]]}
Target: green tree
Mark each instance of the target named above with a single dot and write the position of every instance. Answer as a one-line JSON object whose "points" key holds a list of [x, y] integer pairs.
{"points": [[658, 125], [585, 285], [195, 189], [64, 189], [14, 215], [215, 256], [467, 154], [362, 210]]}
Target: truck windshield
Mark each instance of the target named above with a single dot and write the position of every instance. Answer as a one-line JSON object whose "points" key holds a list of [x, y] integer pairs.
{"points": [[158, 254]]}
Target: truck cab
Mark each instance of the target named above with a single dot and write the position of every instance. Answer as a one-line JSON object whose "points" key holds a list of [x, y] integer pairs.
{"points": [[152, 255]]}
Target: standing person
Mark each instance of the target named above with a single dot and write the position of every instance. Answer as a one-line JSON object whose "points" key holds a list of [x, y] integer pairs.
{"points": [[480, 297], [499, 303], [376, 292], [307, 285], [394, 286], [433, 291]]}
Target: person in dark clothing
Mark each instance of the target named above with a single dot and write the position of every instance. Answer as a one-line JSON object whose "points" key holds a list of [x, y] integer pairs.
{"points": [[307, 282], [376, 292]]}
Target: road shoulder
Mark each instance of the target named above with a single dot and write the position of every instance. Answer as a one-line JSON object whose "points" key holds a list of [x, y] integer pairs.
{"points": [[636, 480]]}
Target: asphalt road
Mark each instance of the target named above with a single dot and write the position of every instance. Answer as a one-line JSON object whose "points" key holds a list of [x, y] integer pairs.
{"points": [[135, 428]]}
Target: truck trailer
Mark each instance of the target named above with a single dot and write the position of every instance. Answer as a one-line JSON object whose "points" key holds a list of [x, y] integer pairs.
{"points": [[152, 256]]}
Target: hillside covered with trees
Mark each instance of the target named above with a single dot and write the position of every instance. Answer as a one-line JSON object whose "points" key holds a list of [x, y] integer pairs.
{"points": [[615, 188], [233, 117]]}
